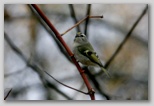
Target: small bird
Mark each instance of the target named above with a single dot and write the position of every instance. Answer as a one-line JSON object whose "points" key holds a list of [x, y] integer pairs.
{"points": [[84, 52]]}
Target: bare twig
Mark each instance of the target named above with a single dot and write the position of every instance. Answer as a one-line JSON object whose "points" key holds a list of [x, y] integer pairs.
{"points": [[125, 40], [81, 87], [22, 89], [87, 21], [96, 83], [56, 89], [33, 66], [80, 23], [74, 16], [59, 37], [61, 48], [18, 71], [65, 84], [122, 30], [14, 47], [7, 94]]}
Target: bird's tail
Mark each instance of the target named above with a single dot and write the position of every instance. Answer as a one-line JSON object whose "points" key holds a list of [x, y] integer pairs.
{"points": [[106, 72]]}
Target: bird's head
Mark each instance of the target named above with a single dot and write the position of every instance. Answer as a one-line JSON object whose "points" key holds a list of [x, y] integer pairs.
{"points": [[80, 38]]}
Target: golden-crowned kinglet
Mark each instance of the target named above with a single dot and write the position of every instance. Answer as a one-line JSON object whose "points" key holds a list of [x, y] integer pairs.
{"points": [[84, 52]]}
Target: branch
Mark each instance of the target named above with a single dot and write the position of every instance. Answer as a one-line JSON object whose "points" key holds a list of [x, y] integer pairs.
{"points": [[16, 72], [125, 40], [80, 23], [74, 16], [127, 37], [33, 66], [65, 84], [37, 16], [56, 89], [96, 83], [59, 37], [14, 47], [87, 21], [7, 94]]}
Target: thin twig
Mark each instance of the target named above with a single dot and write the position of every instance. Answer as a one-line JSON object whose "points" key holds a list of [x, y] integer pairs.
{"points": [[33, 66], [7, 94], [65, 84], [81, 87], [87, 21], [14, 47], [80, 23], [56, 89], [16, 72], [122, 30], [59, 37], [96, 83], [46, 27], [74, 16], [125, 40]]}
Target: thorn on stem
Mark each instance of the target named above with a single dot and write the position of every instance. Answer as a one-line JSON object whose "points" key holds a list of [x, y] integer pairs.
{"points": [[91, 91], [83, 71]]}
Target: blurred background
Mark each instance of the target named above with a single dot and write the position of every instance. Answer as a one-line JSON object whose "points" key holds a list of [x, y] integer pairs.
{"points": [[120, 39]]}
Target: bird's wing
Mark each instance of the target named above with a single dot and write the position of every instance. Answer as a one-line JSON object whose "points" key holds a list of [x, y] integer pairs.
{"points": [[90, 54]]}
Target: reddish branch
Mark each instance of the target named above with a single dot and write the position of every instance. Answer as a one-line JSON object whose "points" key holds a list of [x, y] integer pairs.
{"points": [[59, 37], [87, 17]]}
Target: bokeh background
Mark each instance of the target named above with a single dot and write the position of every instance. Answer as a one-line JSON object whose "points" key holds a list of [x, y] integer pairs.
{"points": [[129, 68]]}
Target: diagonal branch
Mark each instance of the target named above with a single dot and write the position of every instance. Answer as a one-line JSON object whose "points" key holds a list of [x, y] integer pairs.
{"points": [[59, 37], [80, 23], [7, 94], [125, 40], [33, 66], [127, 37], [74, 16], [65, 84], [87, 21], [36, 67], [96, 83], [50, 32], [58, 90], [14, 47]]}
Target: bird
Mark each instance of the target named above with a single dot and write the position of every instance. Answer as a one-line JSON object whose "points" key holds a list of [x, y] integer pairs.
{"points": [[85, 53]]}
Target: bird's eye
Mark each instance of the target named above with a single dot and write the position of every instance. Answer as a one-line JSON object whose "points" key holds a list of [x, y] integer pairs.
{"points": [[82, 35]]}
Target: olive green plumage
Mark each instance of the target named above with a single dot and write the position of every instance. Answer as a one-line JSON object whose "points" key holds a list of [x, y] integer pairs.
{"points": [[84, 52]]}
